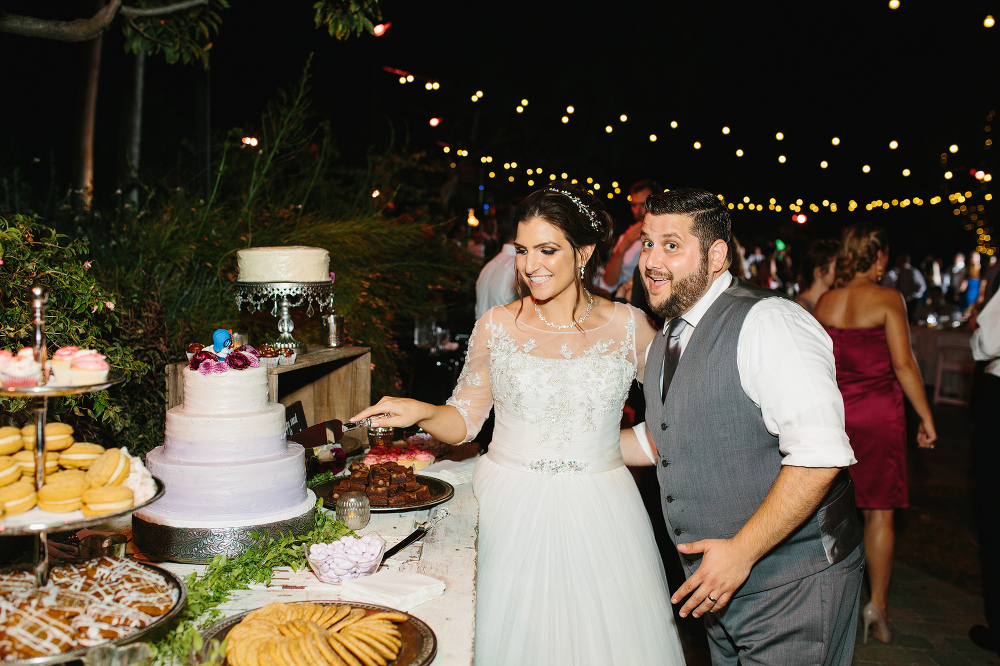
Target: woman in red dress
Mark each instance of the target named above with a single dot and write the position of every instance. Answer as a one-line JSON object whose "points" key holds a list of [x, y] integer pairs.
{"points": [[875, 368]]}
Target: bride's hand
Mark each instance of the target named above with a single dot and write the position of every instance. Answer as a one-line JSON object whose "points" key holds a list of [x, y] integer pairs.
{"points": [[402, 412]]}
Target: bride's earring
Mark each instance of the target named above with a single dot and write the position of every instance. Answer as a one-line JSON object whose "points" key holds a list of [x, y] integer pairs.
{"points": [[581, 273]]}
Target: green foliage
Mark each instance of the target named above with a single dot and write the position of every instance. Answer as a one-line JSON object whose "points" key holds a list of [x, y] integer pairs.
{"points": [[183, 35], [174, 642], [346, 17], [80, 312]]}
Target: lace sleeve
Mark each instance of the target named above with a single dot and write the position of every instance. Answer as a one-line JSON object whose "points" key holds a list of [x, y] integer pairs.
{"points": [[473, 395]]}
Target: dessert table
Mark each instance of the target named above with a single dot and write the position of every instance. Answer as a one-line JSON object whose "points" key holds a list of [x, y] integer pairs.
{"points": [[447, 553]]}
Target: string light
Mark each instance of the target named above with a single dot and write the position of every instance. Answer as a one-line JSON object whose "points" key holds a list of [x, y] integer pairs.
{"points": [[893, 4], [906, 172], [673, 124], [866, 168], [893, 145], [652, 137], [565, 119], [623, 117], [609, 129], [524, 102], [779, 136], [835, 140], [697, 145], [823, 164], [988, 22], [725, 130], [953, 148], [739, 152], [570, 109], [781, 158]]}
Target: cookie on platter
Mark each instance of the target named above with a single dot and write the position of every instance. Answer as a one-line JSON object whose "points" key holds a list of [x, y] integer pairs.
{"points": [[80, 455], [58, 436], [18, 497], [107, 499], [62, 495], [10, 471], [10, 440], [26, 459], [110, 469]]}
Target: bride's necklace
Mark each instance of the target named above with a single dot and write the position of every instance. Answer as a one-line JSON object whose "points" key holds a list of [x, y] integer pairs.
{"points": [[563, 327]]}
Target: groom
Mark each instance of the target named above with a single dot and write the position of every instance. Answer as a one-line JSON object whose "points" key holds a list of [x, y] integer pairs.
{"points": [[743, 408]]}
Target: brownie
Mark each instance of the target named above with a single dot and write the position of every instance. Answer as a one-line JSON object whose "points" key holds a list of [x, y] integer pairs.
{"points": [[378, 491], [398, 500], [378, 501], [410, 498], [343, 486], [356, 466], [411, 486], [409, 473], [423, 494], [392, 491], [397, 477], [358, 484], [379, 482]]}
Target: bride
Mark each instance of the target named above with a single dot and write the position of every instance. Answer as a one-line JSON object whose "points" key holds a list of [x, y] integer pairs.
{"points": [[568, 571]]}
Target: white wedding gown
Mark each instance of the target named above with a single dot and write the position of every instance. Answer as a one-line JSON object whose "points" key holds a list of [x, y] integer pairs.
{"points": [[568, 571]]}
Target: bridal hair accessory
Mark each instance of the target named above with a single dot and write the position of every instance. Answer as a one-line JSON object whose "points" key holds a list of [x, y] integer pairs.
{"points": [[565, 326], [582, 206]]}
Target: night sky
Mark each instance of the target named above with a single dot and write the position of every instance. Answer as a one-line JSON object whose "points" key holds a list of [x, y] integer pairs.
{"points": [[924, 75]]}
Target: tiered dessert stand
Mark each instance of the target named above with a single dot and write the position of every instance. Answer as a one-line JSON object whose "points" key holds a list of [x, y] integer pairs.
{"points": [[285, 295], [28, 524]]}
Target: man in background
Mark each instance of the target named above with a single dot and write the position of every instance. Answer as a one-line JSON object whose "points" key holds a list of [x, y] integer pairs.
{"points": [[625, 255], [908, 281], [496, 283]]}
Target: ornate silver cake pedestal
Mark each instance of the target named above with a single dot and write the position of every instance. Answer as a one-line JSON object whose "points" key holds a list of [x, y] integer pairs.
{"points": [[287, 295]]}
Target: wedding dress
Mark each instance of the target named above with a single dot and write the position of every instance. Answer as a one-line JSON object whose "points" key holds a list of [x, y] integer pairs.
{"points": [[568, 570]]}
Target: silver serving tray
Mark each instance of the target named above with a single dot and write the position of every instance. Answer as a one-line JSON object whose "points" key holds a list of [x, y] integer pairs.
{"points": [[125, 640], [36, 520], [441, 491], [57, 390], [419, 641]]}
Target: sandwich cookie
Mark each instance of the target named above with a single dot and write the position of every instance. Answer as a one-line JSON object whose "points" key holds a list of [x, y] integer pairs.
{"points": [[62, 495], [26, 459], [10, 440], [58, 436], [17, 497], [81, 455], [10, 471], [110, 469], [109, 499], [66, 475]]}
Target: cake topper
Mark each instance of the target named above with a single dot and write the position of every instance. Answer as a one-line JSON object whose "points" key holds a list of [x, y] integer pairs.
{"points": [[222, 342]]}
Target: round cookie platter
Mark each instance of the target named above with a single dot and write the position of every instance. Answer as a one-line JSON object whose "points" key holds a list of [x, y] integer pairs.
{"points": [[75, 655], [419, 642]]}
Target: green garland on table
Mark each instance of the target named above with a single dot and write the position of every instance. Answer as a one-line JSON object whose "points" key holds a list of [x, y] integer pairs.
{"points": [[174, 642]]}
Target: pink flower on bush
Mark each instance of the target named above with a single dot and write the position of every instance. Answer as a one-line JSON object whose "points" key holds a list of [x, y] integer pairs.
{"points": [[333, 277], [109, 305], [94, 309], [87, 264]]}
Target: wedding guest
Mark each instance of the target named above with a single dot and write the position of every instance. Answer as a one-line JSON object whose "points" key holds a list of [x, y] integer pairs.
{"points": [[875, 368], [625, 255], [986, 462], [955, 278], [817, 272], [743, 408], [972, 281], [496, 284], [908, 281]]}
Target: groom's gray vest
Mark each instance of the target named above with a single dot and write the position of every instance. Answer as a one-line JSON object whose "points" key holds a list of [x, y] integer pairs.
{"points": [[717, 460]]}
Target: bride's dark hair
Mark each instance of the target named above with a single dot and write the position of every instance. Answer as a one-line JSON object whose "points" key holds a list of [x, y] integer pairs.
{"points": [[578, 214], [581, 218]]}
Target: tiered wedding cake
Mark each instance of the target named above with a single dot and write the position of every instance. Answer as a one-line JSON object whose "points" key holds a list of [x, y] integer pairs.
{"points": [[225, 462]]}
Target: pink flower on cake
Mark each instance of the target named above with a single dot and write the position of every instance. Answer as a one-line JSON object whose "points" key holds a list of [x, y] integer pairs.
{"points": [[238, 360]]}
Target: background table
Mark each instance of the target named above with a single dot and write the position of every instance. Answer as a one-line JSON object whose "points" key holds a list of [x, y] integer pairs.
{"points": [[448, 553]]}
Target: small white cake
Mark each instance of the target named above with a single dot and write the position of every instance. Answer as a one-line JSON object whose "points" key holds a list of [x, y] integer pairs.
{"points": [[225, 461], [295, 263]]}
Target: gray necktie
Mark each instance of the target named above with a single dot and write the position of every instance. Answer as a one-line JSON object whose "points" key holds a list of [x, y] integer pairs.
{"points": [[673, 354]]}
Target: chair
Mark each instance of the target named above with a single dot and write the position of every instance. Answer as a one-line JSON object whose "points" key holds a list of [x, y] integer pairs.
{"points": [[955, 368]]}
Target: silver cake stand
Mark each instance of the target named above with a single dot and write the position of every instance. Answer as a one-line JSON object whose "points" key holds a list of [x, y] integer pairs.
{"points": [[285, 295]]}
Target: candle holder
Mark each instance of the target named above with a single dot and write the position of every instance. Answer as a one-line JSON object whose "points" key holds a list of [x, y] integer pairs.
{"points": [[353, 509]]}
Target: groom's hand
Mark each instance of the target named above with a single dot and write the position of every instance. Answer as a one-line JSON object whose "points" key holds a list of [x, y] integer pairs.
{"points": [[723, 569]]}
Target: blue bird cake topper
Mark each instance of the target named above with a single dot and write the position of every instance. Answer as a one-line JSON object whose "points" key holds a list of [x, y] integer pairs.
{"points": [[222, 342]]}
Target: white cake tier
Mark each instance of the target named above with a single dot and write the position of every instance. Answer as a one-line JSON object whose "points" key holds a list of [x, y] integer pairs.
{"points": [[229, 490], [295, 263], [231, 392], [152, 515], [212, 438]]}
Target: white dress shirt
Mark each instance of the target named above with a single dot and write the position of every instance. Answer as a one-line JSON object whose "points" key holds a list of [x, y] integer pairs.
{"points": [[786, 365], [495, 285], [986, 339], [629, 261]]}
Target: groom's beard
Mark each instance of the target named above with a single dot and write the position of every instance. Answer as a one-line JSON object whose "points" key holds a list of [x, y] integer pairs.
{"points": [[684, 292]]}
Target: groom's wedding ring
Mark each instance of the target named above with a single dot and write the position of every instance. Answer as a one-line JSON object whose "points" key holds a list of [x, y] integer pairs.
{"points": [[713, 599]]}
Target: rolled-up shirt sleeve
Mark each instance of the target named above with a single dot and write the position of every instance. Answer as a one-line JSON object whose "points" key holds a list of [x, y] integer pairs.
{"points": [[786, 366]]}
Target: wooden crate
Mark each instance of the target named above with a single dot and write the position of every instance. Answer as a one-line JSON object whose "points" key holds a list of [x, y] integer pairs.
{"points": [[331, 383]]}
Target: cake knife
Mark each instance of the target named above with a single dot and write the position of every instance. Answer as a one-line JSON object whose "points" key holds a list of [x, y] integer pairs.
{"points": [[339, 427], [422, 529]]}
